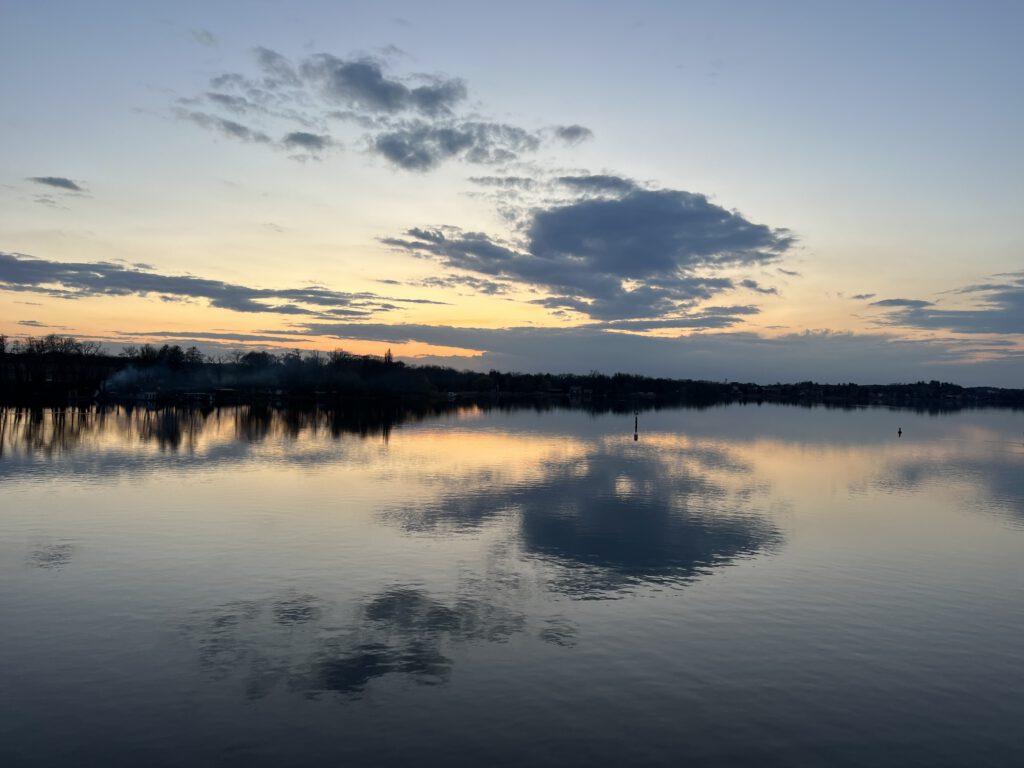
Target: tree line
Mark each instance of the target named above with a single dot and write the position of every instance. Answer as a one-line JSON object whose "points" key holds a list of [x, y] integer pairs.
{"points": [[57, 367]]}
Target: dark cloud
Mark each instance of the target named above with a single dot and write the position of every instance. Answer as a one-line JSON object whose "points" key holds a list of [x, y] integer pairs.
{"points": [[826, 356], [420, 146], [34, 324], [573, 134], [362, 83], [599, 183], [478, 285], [230, 128], [215, 336], [695, 321], [652, 232], [58, 182], [277, 67], [789, 272], [414, 122], [362, 120], [1000, 309], [644, 254], [753, 285], [310, 142], [237, 104], [72, 280], [504, 182], [743, 309], [231, 80], [863, 296], [909, 303], [820, 355]]}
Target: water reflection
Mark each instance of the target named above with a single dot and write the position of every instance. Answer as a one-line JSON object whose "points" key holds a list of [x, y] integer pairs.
{"points": [[109, 441], [52, 431], [617, 515], [990, 479], [55, 555], [441, 586], [304, 644]]}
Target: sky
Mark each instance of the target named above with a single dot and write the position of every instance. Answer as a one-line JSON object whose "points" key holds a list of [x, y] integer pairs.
{"points": [[744, 191]]}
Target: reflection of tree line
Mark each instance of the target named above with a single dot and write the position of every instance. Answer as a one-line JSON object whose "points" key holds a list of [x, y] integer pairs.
{"points": [[52, 431]]}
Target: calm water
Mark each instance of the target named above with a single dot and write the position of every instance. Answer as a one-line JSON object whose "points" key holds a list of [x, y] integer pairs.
{"points": [[740, 586]]}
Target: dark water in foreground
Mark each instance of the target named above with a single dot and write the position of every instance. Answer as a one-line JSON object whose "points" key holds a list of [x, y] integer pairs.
{"points": [[740, 586]]}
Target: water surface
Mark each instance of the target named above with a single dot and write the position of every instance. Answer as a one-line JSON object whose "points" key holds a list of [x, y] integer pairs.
{"points": [[740, 585]]}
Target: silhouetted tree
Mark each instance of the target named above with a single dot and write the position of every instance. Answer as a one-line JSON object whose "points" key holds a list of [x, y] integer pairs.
{"points": [[338, 357], [258, 359]]}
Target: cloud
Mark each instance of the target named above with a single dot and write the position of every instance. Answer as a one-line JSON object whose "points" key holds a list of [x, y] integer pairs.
{"points": [[204, 37], [72, 280], [573, 134], [910, 303], [216, 336], [277, 67], [419, 146], [57, 182], [652, 232], [478, 285], [230, 128], [310, 142], [362, 83], [415, 122], [863, 296], [645, 253], [599, 183], [34, 324], [753, 285], [824, 356], [1000, 309], [504, 182], [236, 104], [709, 317]]}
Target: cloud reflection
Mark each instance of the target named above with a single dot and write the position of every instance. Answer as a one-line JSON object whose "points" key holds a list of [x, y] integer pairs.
{"points": [[618, 515], [303, 644], [51, 556], [988, 476]]}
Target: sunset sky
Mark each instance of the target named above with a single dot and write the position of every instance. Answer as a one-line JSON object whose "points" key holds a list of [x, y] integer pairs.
{"points": [[738, 190]]}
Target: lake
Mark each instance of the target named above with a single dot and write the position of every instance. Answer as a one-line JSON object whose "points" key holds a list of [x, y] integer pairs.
{"points": [[741, 585]]}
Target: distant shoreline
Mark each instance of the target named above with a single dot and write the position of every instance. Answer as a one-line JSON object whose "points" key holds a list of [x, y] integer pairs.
{"points": [[60, 371]]}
